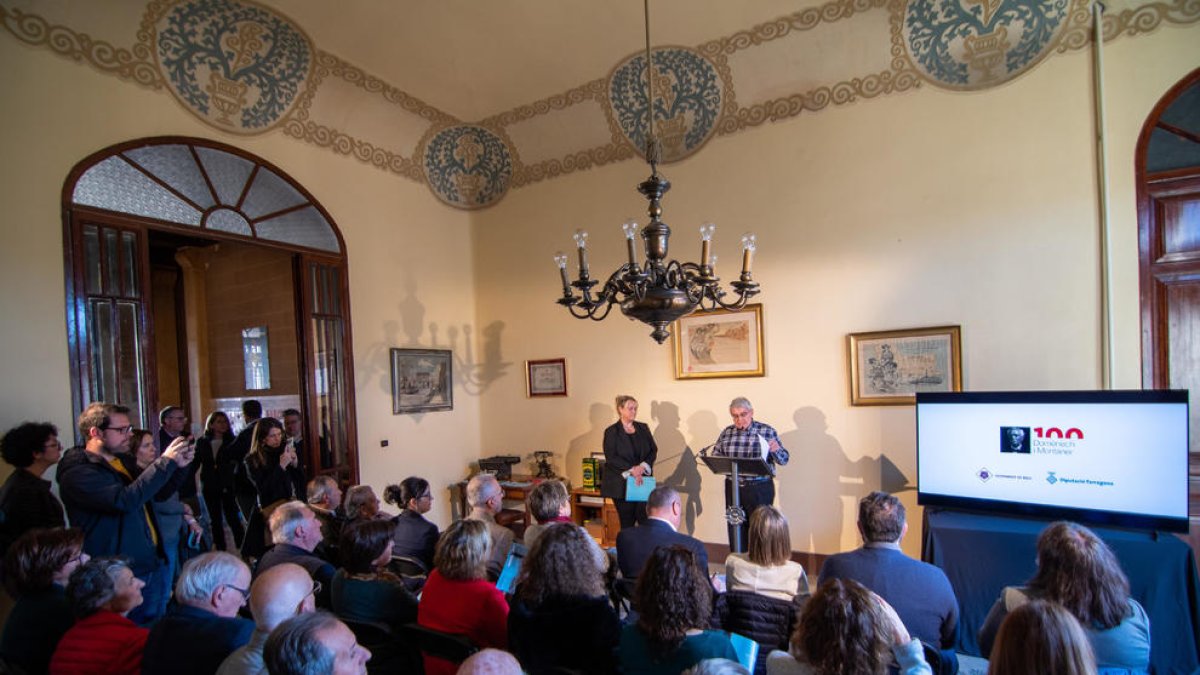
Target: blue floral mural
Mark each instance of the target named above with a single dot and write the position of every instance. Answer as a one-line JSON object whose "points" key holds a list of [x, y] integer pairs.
{"points": [[468, 166], [970, 44], [687, 100], [237, 66]]}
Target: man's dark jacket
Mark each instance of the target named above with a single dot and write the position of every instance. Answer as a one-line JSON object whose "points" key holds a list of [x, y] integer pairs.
{"points": [[191, 640], [110, 508], [636, 544]]}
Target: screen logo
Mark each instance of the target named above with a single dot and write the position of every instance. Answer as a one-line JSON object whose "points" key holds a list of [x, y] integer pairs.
{"points": [[1050, 478], [1014, 439]]}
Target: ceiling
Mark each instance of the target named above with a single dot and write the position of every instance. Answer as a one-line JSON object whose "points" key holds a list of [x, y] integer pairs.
{"points": [[476, 58]]}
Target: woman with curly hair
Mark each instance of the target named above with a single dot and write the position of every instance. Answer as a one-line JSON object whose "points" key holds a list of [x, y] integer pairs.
{"points": [[36, 570], [415, 537], [30, 448], [1077, 570], [561, 618], [363, 589], [1041, 637], [675, 602], [847, 630], [103, 640], [457, 598]]}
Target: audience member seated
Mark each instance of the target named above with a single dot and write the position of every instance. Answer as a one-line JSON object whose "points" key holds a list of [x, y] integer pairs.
{"points": [[102, 641], [920, 592], [315, 643], [296, 533], [214, 486], [325, 500], [768, 568], [203, 627], [1077, 570], [458, 598], [362, 504], [674, 601], [363, 590], [1041, 637], [274, 466], [486, 498], [490, 662], [416, 537], [36, 570], [30, 448], [846, 629], [561, 618], [718, 667], [664, 513], [549, 503], [277, 595]]}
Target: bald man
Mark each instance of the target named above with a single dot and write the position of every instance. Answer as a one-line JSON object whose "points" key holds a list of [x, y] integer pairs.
{"points": [[278, 594]]}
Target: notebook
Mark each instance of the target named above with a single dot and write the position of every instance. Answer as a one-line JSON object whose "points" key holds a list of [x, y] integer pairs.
{"points": [[638, 493], [512, 567], [746, 649]]}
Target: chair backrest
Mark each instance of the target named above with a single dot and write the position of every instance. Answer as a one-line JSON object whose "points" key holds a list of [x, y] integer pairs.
{"points": [[389, 652], [449, 646], [408, 566]]}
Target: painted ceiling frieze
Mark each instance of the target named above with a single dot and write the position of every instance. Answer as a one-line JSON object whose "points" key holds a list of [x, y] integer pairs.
{"points": [[238, 66], [244, 68], [467, 166], [80, 47]]}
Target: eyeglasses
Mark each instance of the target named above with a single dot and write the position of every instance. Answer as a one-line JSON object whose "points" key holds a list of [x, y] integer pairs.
{"points": [[128, 428], [53, 445], [244, 591], [316, 589]]}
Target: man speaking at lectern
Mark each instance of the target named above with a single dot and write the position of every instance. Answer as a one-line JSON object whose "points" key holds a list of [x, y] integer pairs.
{"points": [[748, 438]]}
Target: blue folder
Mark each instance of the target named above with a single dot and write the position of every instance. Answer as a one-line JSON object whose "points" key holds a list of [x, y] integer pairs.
{"points": [[746, 649], [638, 493]]}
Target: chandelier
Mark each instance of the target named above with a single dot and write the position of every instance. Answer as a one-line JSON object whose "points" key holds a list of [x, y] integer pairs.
{"points": [[656, 292]]}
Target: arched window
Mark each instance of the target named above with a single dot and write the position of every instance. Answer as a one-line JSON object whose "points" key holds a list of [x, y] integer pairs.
{"points": [[118, 199]]}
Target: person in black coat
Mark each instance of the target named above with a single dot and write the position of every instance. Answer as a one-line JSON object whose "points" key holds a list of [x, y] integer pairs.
{"points": [[273, 466], [637, 544], [26, 500], [629, 451], [560, 618], [218, 491], [415, 536]]}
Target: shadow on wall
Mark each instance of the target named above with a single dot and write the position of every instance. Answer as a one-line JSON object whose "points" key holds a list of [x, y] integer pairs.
{"points": [[472, 376], [820, 478], [600, 415]]}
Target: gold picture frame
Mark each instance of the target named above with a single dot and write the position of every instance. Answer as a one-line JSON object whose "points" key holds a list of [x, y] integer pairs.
{"points": [[719, 343], [891, 367]]}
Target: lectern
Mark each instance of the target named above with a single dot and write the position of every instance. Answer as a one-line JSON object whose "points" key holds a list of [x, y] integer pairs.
{"points": [[734, 468]]}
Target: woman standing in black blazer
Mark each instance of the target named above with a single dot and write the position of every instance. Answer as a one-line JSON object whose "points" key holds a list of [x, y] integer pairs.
{"points": [[629, 450]]}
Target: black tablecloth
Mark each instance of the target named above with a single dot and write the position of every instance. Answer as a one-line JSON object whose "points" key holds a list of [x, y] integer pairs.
{"points": [[982, 554]]}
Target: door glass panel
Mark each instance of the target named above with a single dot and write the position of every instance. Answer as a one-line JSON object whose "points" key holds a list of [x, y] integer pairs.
{"points": [[111, 263], [129, 265], [104, 375], [91, 259], [129, 362], [331, 398]]}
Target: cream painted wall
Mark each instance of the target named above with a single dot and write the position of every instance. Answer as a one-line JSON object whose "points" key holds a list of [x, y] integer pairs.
{"points": [[919, 209], [409, 285]]}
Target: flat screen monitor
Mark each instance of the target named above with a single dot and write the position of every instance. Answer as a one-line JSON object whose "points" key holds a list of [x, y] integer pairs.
{"points": [[1101, 457]]}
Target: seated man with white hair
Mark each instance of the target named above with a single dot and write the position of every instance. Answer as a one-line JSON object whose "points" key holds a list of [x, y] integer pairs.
{"points": [[296, 532], [486, 499], [315, 643], [203, 628], [277, 595]]}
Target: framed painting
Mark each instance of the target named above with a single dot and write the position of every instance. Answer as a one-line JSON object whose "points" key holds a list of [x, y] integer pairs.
{"points": [[890, 367], [720, 343], [422, 380], [547, 377]]}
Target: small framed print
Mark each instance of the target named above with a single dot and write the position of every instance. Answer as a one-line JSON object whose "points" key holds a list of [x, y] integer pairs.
{"points": [[890, 367], [546, 377]]}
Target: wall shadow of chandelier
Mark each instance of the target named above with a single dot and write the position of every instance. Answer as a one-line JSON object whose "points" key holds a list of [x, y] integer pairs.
{"points": [[658, 291]]}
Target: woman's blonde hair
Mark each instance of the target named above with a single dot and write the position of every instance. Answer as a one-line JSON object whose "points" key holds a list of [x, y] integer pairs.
{"points": [[462, 551], [770, 540], [623, 399], [1041, 637]]}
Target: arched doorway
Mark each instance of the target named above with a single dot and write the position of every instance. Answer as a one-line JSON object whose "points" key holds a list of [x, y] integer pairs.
{"points": [[1168, 184], [133, 210]]}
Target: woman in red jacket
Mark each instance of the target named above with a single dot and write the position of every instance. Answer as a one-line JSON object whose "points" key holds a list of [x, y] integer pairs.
{"points": [[102, 641], [458, 598]]}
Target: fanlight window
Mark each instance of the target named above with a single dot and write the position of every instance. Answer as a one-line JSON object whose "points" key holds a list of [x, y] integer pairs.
{"points": [[1175, 141], [208, 189]]}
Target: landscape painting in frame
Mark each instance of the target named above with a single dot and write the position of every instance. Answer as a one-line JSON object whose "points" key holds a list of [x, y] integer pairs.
{"points": [[721, 343], [421, 380], [891, 367]]}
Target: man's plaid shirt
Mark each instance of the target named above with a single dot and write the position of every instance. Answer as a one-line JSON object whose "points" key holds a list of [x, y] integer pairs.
{"points": [[734, 442]]}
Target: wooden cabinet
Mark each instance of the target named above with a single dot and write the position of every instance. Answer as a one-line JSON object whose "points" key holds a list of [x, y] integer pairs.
{"points": [[597, 515]]}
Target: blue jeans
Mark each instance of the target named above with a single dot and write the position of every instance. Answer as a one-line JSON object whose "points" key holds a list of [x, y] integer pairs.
{"points": [[155, 596]]}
